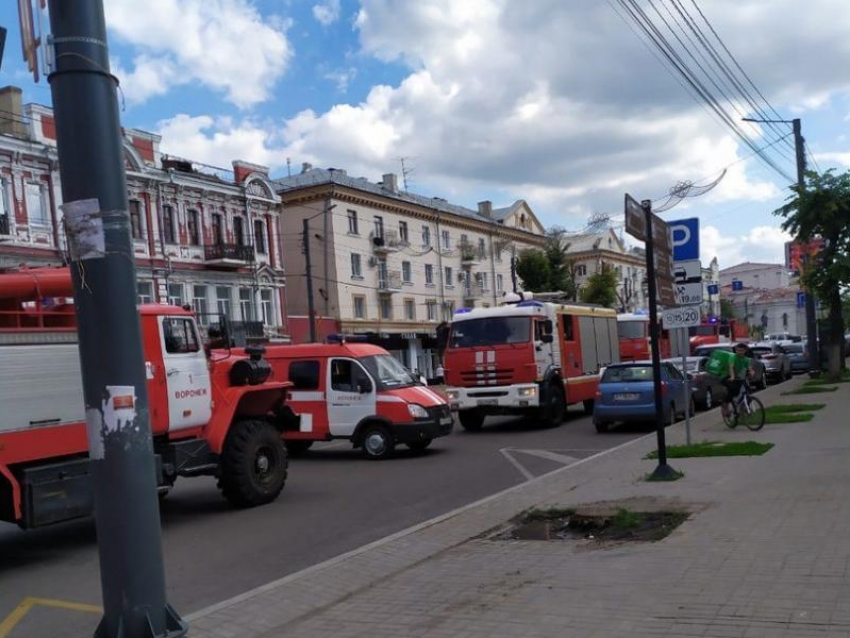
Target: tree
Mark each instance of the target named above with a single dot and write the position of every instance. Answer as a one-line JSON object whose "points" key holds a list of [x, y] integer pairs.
{"points": [[601, 287], [549, 269], [820, 210], [727, 309]]}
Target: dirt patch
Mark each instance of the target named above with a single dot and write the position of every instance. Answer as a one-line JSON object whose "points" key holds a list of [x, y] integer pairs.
{"points": [[596, 523]]}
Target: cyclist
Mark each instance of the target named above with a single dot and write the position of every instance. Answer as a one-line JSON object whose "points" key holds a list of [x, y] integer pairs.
{"points": [[740, 367]]}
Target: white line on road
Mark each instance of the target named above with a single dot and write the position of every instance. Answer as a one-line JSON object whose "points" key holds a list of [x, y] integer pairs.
{"points": [[506, 452]]}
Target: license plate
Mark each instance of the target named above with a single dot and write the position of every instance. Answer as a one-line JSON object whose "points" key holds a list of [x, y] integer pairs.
{"points": [[446, 421], [626, 396], [488, 402]]}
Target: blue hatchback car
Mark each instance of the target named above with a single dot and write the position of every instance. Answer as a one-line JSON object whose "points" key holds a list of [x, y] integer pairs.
{"points": [[626, 394]]}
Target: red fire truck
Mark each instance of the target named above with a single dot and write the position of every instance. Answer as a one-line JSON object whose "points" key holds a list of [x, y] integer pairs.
{"points": [[714, 330], [633, 333], [527, 357], [210, 414], [346, 389]]}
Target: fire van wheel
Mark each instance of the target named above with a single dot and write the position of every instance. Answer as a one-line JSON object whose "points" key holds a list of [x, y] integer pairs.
{"points": [[253, 464], [378, 443], [552, 413], [297, 447], [471, 420]]}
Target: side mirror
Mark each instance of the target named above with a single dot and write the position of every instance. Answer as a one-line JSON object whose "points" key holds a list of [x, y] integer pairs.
{"points": [[548, 327], [547, 338], [364, 386]]}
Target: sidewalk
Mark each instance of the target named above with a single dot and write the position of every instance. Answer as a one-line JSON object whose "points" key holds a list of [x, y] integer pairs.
{"points": [[766, 552]]}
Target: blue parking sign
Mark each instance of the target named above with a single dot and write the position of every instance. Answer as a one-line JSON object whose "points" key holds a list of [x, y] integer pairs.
{"points": [[737, 285], [685, 239], [801, 300]]}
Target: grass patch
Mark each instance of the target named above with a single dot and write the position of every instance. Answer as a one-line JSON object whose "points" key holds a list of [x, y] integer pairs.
{"points": [[626, 519], [788, 417], [545, 514], [714, 448], [794, 407], [811, 389]]}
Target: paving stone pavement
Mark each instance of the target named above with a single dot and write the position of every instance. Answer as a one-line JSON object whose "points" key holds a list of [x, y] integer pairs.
{"points": [[766, 552]]}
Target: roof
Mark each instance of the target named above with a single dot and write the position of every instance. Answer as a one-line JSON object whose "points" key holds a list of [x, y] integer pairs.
{"points": [[319, 176]]}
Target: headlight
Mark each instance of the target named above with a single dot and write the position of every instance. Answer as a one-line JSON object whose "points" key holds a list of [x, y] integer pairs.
{"points": [[452, 395], [527, 392], [417, 411]]}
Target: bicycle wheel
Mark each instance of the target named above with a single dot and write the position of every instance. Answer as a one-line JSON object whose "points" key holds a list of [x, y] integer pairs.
{"points": [[753, 415], [730, 419]]}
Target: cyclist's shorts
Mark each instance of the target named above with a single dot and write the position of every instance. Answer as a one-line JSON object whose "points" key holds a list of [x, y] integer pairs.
{"points": [[733, 387]]}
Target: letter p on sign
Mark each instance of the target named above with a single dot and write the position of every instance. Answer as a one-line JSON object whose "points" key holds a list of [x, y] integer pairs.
{"points": [[685, 239]]}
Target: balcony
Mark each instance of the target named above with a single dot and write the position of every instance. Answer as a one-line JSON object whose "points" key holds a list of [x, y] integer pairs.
{"points": [[389, 281], [384, 242], [473, 292], [468, 255], [228, 255]]}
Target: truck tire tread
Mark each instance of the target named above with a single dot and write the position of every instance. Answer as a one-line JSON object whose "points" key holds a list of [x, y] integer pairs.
{"points": [[242, 480]]}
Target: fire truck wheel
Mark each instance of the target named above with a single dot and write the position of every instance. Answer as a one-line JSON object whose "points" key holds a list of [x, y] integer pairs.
{"points": [[378, 443], [419, 446], [253, 464], [587, 404], [297, 447], [552, 413], [471, 420]]}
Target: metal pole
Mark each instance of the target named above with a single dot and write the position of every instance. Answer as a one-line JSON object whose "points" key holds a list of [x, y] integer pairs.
{"points": [[513, 268], [310, 309], [811, 319], [683, 337], [663, 471], [94, 190]]}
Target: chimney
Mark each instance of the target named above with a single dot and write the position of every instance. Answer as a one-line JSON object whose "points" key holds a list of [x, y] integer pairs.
{"points": [[390, 182], [306, 166], [485, 208], [11, 112]]}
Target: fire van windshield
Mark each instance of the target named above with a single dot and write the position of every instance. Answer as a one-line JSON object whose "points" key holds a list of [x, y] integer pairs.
{"points": [[388, 372], [490, 331]]}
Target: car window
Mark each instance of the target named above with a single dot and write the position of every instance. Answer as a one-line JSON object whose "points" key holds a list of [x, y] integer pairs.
{"points": [[304, 375], [673, 371], [345, 375], [627, 374]]}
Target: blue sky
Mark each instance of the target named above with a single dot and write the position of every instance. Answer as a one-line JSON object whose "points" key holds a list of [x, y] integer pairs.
{"points": [[488, 99]]}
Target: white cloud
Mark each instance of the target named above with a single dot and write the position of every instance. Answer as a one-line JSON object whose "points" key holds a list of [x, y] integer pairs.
{"points": [[327, 12], [830, 160], [341, 78], [760, 244], [226, 45]]}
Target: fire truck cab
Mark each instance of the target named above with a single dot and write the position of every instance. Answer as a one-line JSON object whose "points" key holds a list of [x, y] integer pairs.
{"points": [[355, 391], [633, 334], [527, 357]]}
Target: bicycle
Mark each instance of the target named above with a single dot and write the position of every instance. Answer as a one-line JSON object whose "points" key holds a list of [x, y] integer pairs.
{"points": [[746, 409]]}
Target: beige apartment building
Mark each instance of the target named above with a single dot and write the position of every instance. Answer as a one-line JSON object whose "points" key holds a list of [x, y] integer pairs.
{"points": [[391, 264]]}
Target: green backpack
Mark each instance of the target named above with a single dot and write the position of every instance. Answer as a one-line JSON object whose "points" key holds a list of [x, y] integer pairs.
{"points": [[718, 363]]}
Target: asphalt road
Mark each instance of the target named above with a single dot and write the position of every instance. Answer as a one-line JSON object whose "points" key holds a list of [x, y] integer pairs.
{"points": [[334, 501]]}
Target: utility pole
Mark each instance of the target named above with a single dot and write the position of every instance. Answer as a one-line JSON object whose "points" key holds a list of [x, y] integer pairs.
{"points": [[91, 161], [513, 267], [310, 309]]}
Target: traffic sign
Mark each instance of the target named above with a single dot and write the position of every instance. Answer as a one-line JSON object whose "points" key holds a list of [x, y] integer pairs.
{"points": [[680, 317], [801, 300], [687, 272], [663, 265], [665, 291], [713, 289], [635, 219], [661, 236], [689, 294], [685, 239], [737, 284]]}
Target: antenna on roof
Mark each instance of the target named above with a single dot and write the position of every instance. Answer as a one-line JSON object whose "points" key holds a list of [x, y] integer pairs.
{"points": [[405, 172], [289, 167]]}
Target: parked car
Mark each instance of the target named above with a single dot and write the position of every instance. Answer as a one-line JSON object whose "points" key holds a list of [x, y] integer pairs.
{"points": [[796, 354], [783, 336], [626, 394], [777, 366], [708, 389], [758, 382]]}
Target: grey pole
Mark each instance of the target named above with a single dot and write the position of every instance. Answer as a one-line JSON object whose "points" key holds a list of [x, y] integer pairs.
{"points": [[97, 221], [311, 311], [683, 337], [811, 319]]}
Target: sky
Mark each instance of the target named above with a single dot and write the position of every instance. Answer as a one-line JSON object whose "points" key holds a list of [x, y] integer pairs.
{"points": [[558, 103]]}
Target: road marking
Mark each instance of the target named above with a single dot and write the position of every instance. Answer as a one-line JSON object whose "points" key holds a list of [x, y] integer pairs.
{"points": [[17, 615], [507, 452]]}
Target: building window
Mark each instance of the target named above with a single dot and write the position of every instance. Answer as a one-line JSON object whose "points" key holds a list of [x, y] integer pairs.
{"points": [[144, 292], [136, 224], [448, 310], [581, 270], [483, 279], [260, 236], [222, 299], [239, 231], [246, 304], [193, 228], [359, 307], [403, 235], [449, 283], [36, 209], [356, 266], [426, 236], [217, 231], [410, 309], [199, 303], [500, 282], [267, 306], [352, 222], [431, 310], [379, 226], [386, 308], [429, 274], [175, 294], [5, 228], [406, 272], [482, 248], [447, 240], [168, 224]]}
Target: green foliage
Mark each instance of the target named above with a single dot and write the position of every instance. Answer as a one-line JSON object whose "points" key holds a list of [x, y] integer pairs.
{"points": [[601, 287], [626, 519], [794, 407], [714, 448], [549, 269], [811, 389], [727, 309], [532, 267]]}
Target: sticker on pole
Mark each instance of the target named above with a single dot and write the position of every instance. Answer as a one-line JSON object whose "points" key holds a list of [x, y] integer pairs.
{"points": [[680, 318], [84, 229]]}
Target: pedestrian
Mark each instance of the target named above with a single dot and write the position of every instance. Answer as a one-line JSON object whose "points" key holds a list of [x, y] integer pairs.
{"points": [[440, 373]]}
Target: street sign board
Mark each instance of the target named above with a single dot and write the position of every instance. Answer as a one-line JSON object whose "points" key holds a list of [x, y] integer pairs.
{"points": [[689, 294], [713, 289], [737, 285], [801, 300], [685, 239], [680, 317], [663, 265], [687, 272], [661, 236], [635, 219], [665, 290]]}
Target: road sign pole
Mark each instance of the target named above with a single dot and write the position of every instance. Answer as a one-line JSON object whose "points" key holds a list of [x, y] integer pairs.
{"points": [[663, 471], [97, 224], [683, 339]]}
